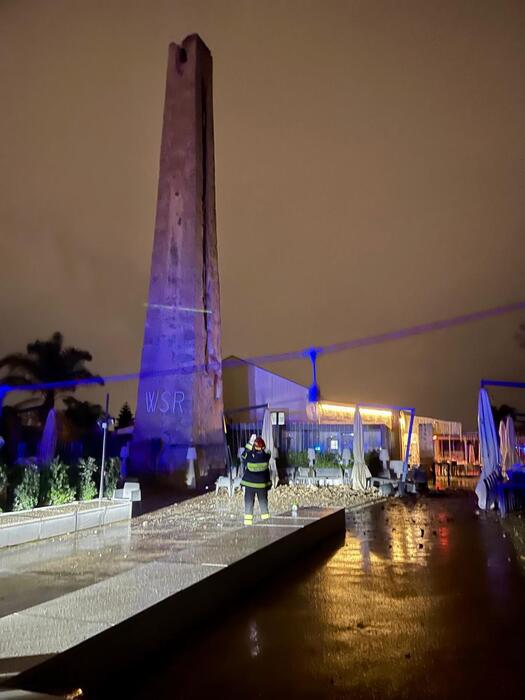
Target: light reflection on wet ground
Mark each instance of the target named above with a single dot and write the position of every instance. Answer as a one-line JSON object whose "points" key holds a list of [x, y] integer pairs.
{"points": [[424, 600], [40, 571], [465, 483]]}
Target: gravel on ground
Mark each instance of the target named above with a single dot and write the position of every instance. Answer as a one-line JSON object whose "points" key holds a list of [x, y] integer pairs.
{"points": [[221, 510], [514, 528]]}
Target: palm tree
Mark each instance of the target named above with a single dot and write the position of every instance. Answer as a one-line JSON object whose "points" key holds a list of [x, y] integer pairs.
{"points": [[499, 413], [47, 361], [83, 414]]}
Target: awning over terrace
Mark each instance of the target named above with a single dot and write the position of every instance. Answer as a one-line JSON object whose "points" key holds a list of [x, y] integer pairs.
{"points": [[330, 412]]}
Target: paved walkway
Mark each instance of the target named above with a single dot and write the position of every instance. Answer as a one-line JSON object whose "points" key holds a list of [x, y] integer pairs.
{"points": [[166, 572], [41, 571], [425, 600]]}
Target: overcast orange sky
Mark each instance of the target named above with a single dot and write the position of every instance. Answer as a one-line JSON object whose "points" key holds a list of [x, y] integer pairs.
{"points": [[370, 170]]}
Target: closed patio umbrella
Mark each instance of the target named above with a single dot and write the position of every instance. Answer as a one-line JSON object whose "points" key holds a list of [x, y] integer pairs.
{"points": [[360, 472], [503, 445], [48, 443], [488, 445], [267, 436], [511, 451]]}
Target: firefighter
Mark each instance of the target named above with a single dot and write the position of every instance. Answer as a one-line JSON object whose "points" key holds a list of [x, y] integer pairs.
{"points": [[256, 479]]}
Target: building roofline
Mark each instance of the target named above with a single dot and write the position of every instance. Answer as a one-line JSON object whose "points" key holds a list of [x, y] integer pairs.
{"points": [[253, 364], [303, 386]]}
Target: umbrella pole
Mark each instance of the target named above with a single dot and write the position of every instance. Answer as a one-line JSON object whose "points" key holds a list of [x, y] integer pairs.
{"points": [[407, 452], [227, 456], [102, 463]]}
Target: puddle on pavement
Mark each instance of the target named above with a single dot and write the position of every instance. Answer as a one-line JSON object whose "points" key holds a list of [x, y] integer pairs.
{"points": [[415, 604]]}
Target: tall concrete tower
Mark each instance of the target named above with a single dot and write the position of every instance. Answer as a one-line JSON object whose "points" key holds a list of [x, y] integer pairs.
{"points": [[179, 403]]}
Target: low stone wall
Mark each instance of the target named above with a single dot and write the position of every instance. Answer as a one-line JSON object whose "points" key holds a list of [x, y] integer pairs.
{"points": [[52, 521]]}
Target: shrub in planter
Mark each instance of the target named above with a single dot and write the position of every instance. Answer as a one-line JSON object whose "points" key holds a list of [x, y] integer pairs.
{"points": [[298, 458], [327, 460], [111, 476], [27, 491], [55, 488], [3, 479], [86, 486], [3, 484]]}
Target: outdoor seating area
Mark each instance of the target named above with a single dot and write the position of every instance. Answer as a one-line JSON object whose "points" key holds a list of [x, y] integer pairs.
{"points": [[501, 484], [507, 495], [510, 493], [321, 443], [455, 469], [230, 484], [318, 477], [387, 485], [130, 491]]}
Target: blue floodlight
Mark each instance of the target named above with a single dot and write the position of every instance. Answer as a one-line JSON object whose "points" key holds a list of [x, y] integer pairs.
{"points": [[314, 392]]}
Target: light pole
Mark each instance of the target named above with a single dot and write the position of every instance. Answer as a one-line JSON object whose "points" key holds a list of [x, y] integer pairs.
{"points": [[104, 424]]}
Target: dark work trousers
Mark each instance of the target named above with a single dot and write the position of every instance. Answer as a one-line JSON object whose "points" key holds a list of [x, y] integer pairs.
{"points": [[249, 501]]}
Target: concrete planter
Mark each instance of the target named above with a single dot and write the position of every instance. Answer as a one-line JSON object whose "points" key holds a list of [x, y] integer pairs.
{"points": [[52, 521]]}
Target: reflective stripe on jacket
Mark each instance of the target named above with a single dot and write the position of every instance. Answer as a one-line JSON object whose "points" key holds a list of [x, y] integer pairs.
{"points": [[257, 474]]}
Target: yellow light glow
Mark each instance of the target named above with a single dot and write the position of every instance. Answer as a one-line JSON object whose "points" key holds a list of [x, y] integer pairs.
{"points": [[341, 408], [336, 407], [345, 413], [376, 412]]}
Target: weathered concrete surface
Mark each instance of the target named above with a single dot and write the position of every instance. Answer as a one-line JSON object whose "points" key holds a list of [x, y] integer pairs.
{"points": [[109, 624], [425, 600], [52, 521], [24, 695], [35, 573], [183, 405]]}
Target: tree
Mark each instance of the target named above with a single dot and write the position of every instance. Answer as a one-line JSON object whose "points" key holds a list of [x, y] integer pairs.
{"points": [[125, 417], [47, 361], [82, 414], [499, 413]]}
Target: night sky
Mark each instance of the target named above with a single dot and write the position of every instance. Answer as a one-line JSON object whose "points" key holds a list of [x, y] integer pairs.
{"points": [[370, 170]]}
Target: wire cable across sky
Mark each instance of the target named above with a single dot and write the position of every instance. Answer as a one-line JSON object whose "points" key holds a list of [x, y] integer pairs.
{"points": [[400, 334], [367, 341]]}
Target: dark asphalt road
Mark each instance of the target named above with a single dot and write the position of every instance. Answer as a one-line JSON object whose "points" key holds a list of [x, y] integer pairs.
{"points": [[424, 600]]}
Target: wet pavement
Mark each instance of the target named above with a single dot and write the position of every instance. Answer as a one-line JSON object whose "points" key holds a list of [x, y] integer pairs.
{"points": [[41, 571], [425, 600], [80, 638]]}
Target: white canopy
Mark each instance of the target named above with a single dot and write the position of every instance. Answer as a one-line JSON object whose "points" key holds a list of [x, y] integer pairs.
{"points": [[360, 472], [267, 436], [488, 445], [503, 446], [509, 454], [48, 443]]}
